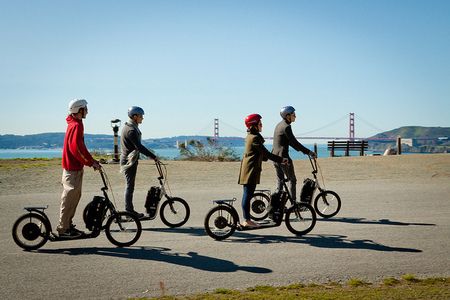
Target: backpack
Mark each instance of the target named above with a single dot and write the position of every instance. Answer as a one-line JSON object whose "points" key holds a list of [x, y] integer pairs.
{"points": [[274, 207], [308, 189], [94, 213], [152, 200]]}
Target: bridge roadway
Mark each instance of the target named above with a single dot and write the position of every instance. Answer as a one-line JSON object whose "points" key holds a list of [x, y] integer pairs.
{"points": [[387, 227]]}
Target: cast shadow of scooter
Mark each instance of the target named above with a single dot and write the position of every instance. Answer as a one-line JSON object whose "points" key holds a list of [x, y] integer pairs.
{"points": [[321, 241], [192, 231], [189, 259], [352, 220]]}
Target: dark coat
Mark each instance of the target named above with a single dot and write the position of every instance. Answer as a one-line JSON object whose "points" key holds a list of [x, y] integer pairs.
{"points": [[254, 154], [283, 138], [131, 140]]}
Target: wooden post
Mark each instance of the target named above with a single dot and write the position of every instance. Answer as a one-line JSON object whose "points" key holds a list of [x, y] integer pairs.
{"points": [[315, 150], [399, 145], [347, 150], [361, 153], [332, 148]]}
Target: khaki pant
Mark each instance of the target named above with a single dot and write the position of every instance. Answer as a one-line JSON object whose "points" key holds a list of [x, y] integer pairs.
{"points": [[72, 182]]}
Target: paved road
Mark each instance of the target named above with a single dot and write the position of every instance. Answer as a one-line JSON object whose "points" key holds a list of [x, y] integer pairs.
{"points": [[386, 228]]}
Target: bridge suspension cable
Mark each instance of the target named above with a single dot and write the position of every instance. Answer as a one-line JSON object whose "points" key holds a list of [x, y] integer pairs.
{"points": [[325, 126]]}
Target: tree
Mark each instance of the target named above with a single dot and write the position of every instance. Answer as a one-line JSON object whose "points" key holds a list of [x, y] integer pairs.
{"points": [[196, 150]]}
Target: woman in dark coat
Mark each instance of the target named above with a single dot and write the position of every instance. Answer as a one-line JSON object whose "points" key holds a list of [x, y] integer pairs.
{"points": [[251, 165]]}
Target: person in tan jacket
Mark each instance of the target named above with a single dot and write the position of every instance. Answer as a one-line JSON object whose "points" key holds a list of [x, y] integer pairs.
{"points": [[251, 165]]}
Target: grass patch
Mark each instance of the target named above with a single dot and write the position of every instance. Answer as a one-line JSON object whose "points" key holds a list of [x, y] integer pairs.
{"points": [[390, 281], [389, 288], [355, 282], [410, 278]]}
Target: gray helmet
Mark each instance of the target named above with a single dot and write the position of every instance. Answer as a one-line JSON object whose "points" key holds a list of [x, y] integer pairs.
{"points": [[287, 110], [135, 110]]}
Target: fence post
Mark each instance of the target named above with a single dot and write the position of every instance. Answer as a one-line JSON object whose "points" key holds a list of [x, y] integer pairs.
{"points": [[332, 148], [347, 150], [315, 150], [399, 145]]}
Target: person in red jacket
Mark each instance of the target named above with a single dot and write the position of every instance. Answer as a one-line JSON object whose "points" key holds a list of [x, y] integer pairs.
{"points": [[74, 157]]}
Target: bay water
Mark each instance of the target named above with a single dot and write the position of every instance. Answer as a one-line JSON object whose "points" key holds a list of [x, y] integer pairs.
{"points": [[166, 153]]}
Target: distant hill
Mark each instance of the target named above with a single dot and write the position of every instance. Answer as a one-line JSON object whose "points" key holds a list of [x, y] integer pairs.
{"points": [[52, 140], [420, 139], [98, 141], [415, 132]]}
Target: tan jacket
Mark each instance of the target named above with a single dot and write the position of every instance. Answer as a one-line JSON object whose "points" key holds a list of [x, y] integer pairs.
{"points": [[254, 154]]}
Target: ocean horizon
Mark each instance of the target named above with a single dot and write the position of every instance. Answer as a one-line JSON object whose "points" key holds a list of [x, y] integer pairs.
{"points": [[166, 153]]}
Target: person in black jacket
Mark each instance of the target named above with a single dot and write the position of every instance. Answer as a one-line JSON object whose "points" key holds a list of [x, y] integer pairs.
{"points": [[130, 143], [282, 139]]}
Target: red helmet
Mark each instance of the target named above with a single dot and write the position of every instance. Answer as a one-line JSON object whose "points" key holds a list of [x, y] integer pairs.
{"points": [[252, 119]]}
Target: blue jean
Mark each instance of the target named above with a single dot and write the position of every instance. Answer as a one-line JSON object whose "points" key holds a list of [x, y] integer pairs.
{"points": [[130, 177], [249, 190]]}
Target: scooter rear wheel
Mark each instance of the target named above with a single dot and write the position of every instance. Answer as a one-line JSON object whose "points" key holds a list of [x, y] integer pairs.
{"points": [[220, 222], [123, 229], [31, 231]]}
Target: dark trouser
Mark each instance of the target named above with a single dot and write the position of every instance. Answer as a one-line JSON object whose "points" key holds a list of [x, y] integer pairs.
{"points": [[249, 190], [130, 177], [289, 172]]}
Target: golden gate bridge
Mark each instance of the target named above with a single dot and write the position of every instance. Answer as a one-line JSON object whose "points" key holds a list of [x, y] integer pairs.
{"points": [[349, 137]]}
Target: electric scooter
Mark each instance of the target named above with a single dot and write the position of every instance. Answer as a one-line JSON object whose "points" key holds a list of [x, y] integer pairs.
{"points": [[223, 220], [326, 203], [174, 211], [33, 229]]}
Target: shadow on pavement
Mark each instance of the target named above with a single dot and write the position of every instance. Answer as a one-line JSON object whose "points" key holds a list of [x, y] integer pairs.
{"points": [[189, 259], [378, 222], [320, 241]]}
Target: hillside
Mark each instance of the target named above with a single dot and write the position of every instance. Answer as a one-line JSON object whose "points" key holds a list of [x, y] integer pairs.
{"points": [[98, 141], [422, 139], [415, 132]]}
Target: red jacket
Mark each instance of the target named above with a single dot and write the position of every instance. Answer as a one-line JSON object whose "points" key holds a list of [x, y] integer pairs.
{"points": [[75, 154]]}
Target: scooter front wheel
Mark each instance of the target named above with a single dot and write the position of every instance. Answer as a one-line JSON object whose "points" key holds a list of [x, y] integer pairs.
{"points": [[174, 212], [220, 222], [123, 229], [31, 231], [300, 218], [327, 204], [258, 206]]}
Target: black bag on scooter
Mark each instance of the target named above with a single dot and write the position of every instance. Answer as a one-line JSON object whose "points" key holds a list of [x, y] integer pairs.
{"points": [[152, 200], [94, 213], [274, 207], [307, 192]]}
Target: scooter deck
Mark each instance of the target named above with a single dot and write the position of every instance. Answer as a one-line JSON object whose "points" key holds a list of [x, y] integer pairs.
{"points": [[262, 225], [147, 218]]}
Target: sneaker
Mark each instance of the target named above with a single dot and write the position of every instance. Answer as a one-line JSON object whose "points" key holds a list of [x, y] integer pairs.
{"points": [[73, 229], [138, 215], [70, 234], [250, 224]]}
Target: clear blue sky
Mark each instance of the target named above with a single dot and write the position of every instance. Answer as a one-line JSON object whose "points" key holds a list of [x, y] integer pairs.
{"points": [[188, 62]]}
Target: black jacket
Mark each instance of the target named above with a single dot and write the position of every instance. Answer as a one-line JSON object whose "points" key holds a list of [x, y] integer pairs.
{"points": [[131, 140], [283, 138]]}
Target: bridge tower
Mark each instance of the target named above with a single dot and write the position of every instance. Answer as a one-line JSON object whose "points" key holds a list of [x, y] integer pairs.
{"points": [[216, 130], [351, 128]]}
